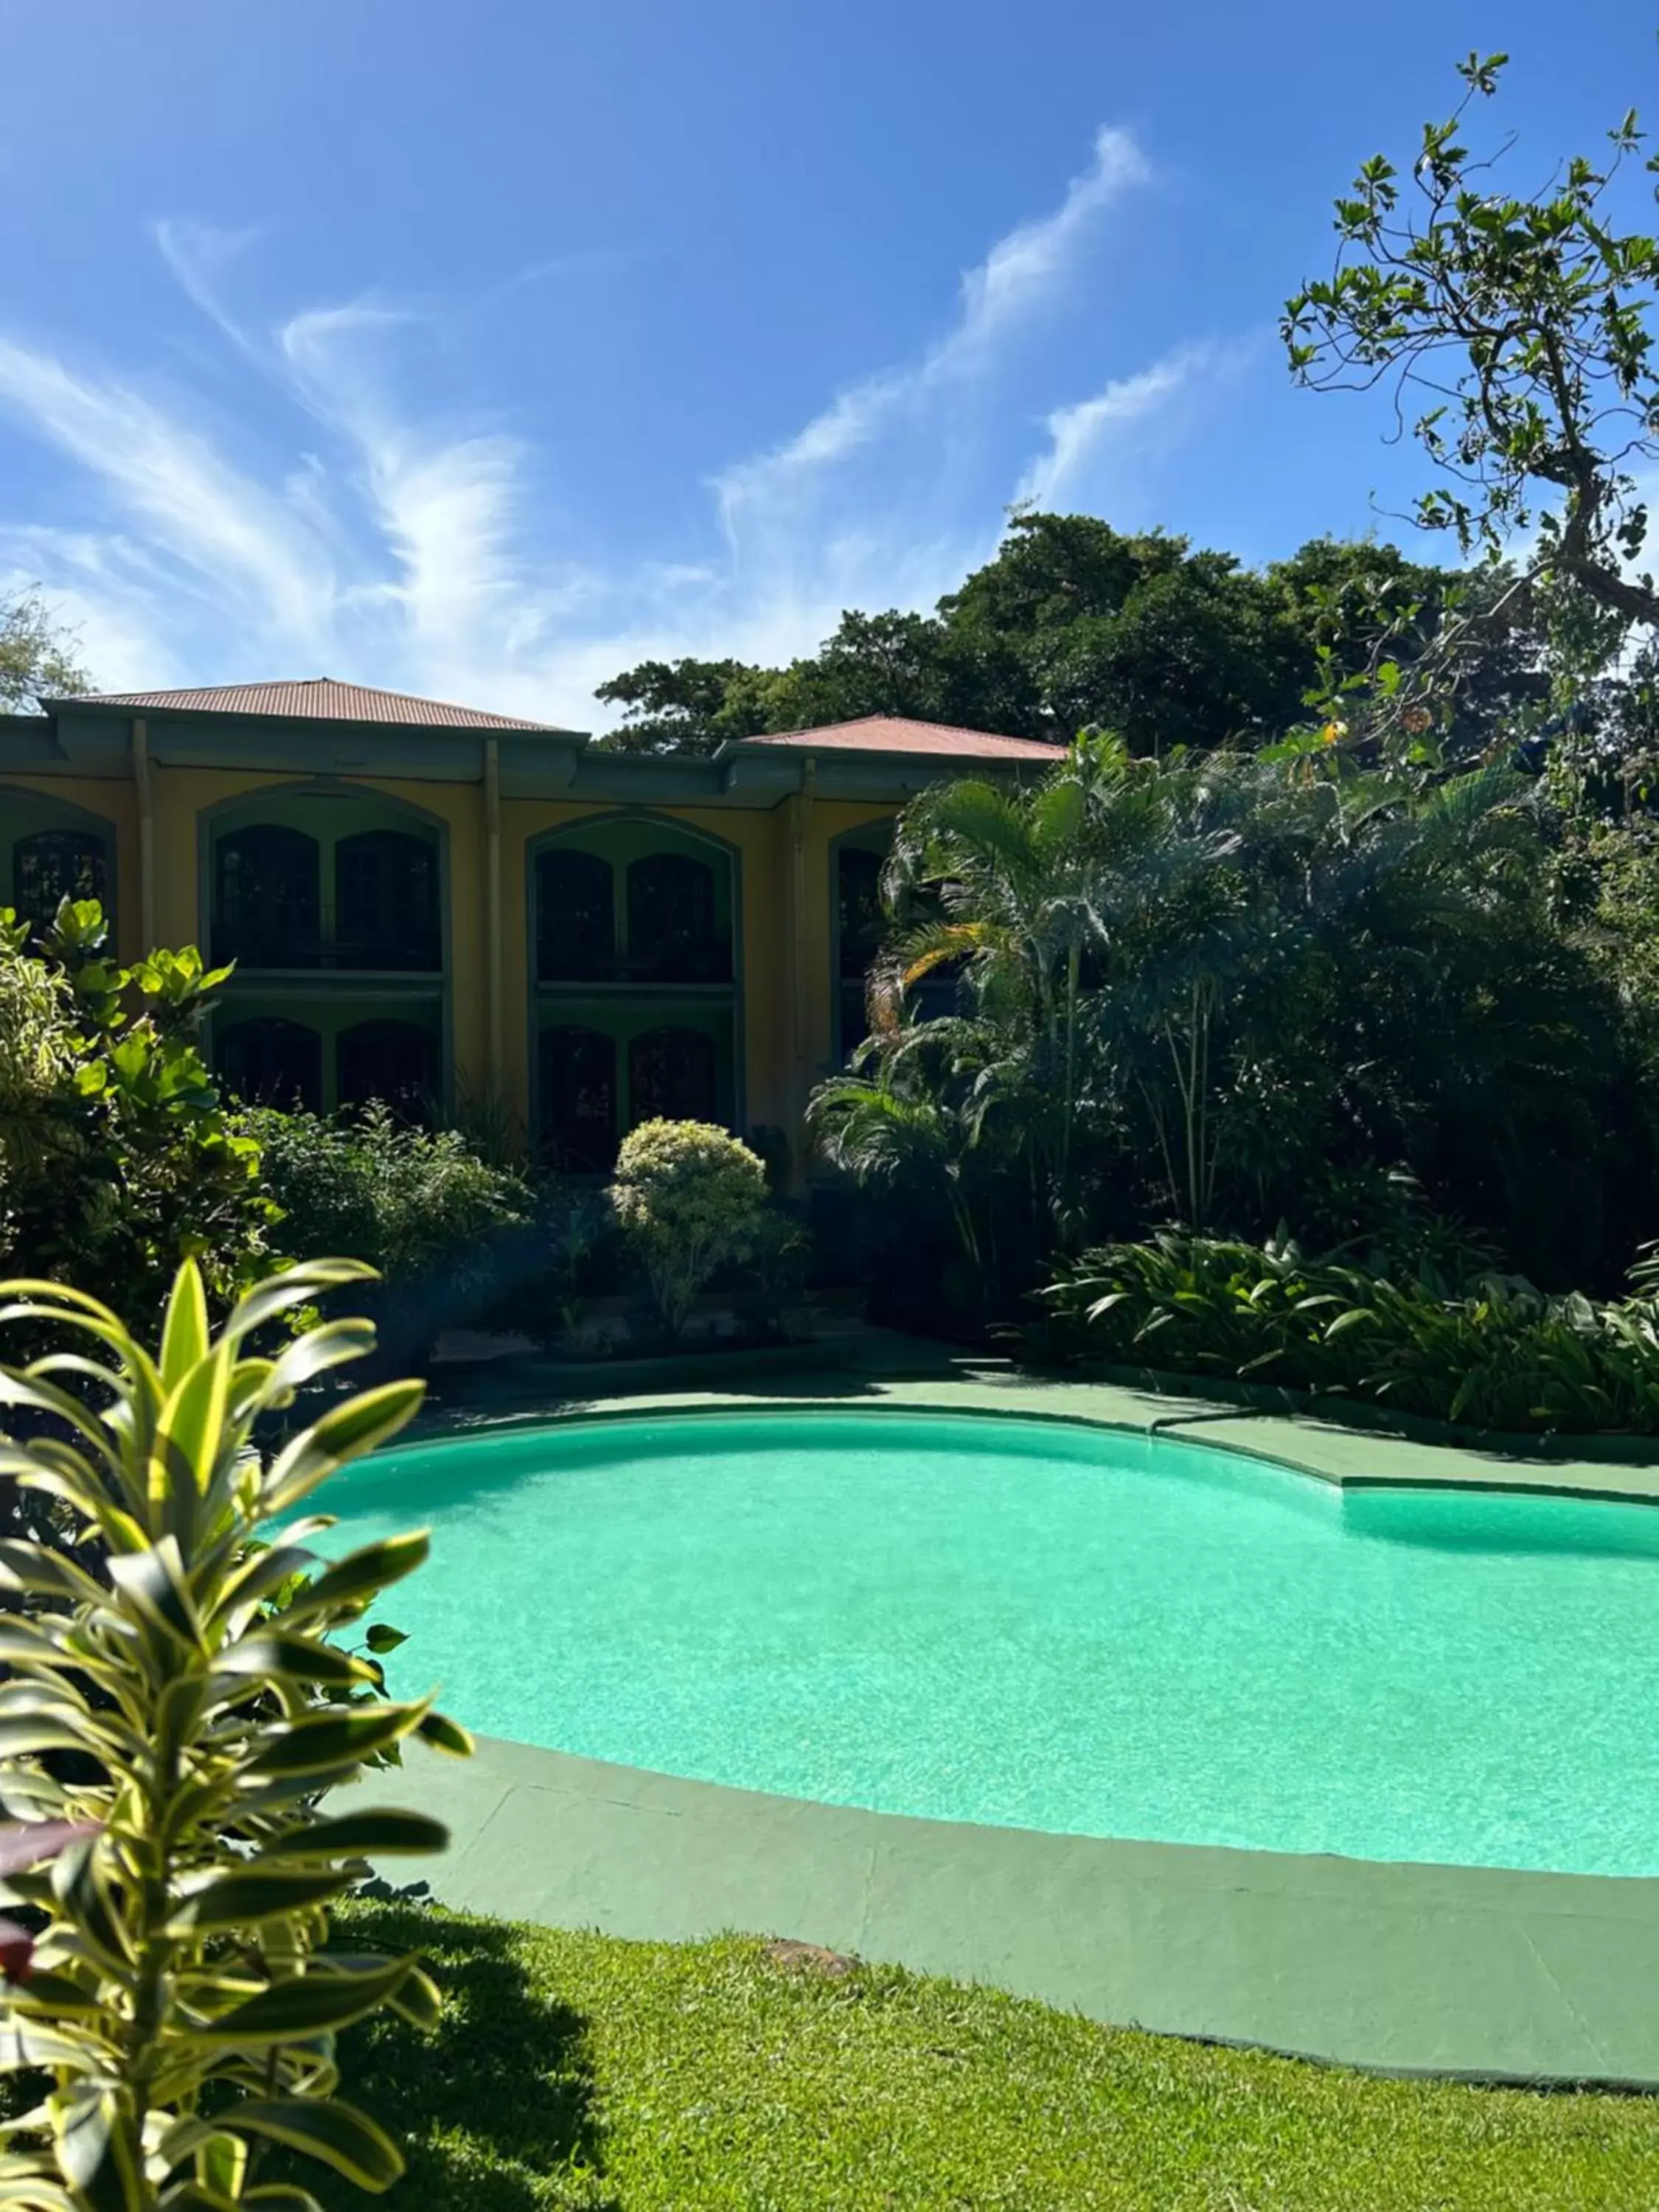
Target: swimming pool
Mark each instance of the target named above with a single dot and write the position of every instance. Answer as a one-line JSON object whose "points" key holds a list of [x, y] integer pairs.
{"points": [[1043, 1625]]}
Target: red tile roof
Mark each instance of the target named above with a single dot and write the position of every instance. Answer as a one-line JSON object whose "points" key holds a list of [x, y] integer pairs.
{"points": [[899, 734], [317, 698]]}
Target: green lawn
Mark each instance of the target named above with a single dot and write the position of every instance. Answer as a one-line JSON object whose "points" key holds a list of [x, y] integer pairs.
{"points": [[581, 2071]]}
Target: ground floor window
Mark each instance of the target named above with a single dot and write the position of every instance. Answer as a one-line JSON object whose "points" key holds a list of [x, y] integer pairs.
{"points": [[577, 1079], [271, 1062], [55, 864], [394, 1061], [674, 1074]]}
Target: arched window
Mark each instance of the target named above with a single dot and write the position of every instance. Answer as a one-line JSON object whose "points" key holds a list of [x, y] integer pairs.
{"points": [[857, 909], [670, 921], [392, 1061], [55, 864], [265, 903], [672, 1072], [386, 898], [578, 1073], [575, 917], [269, 1061]]}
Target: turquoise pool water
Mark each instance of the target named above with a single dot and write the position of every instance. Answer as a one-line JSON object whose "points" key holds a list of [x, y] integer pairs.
{"points": [[1047, 1626]]}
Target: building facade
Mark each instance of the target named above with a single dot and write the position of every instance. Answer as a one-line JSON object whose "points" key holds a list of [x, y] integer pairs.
{"points": [[428, 903]]}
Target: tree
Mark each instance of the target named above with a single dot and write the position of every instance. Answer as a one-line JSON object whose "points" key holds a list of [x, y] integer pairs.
{"points": [[685, 705], [1514, 336], [39, 658]]}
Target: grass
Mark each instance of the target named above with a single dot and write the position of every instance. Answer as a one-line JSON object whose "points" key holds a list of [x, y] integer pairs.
{"points": [[580, 2072]]}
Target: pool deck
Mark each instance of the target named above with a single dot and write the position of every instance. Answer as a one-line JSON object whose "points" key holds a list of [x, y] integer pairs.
{"points": [[1478, 1972]]}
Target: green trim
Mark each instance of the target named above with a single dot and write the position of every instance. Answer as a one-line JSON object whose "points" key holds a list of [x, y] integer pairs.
{"points": [[61, 814]]}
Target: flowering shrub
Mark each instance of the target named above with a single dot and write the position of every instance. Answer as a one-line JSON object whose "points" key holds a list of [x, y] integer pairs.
{"points": [[689, 1198]]}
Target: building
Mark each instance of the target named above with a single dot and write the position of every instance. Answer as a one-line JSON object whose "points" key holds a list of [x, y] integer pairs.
{"points": [[425, 901]]}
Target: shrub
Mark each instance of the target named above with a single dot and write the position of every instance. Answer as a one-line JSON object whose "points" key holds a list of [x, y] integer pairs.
{"points": [[416, 1205], [116, 1158], [1499, 1355], [690, 1197], [176, 1993]]}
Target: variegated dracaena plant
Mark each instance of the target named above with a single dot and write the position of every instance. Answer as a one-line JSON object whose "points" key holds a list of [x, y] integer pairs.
{"points": [[175, 1720]]}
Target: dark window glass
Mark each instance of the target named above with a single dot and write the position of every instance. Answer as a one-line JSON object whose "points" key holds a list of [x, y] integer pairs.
{"points": [[858, 915], [55, 864], [395, 1061], [265, 911], [575, 917], [386, 889], [674, 1074], [578, 1072], [273, 1062], [670, 921]]}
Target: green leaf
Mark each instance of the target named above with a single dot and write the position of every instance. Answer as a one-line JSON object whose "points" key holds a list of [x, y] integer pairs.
{"points": [[360, 1574], [382, 1637], [253, 1894], [281, 2196], [347, 1432], [442, 1734], [184, 1334], [154, 1582], [331, 2130], [366, 1833], [323, 1741], [315, 2003]]}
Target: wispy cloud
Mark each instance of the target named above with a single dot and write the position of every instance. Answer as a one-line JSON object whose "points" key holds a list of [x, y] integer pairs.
{"points": [[395, 543], [1081, 436]]}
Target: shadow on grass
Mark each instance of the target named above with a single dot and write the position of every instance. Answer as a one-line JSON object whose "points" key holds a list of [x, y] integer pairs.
{"points": [[495, 2106]]}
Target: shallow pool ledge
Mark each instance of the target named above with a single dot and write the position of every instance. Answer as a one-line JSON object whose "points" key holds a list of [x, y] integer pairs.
{"points": [[1400, 1969]]}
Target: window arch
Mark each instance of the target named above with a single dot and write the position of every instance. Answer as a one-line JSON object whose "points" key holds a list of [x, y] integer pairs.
{"points": [[575, 916], [385, 900], [271, 1062], [394, 1061], [266, 897], [674, 1074], [671, 933], [53, 865], [577, 1069]]}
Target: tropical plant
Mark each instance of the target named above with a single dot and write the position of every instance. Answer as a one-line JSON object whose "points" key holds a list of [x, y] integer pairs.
{"points": [[170, 1722], [689, 1198], [116, 1159], [1494, 1353]]}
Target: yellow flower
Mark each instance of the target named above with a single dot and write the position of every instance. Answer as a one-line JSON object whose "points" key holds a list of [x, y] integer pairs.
{"points": [[1333, 732]]}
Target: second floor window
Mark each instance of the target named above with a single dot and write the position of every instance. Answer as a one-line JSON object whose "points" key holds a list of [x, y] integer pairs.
{"points": [[267, 907], [575, 917], [55, 864], [386, 890], [672, 936]]}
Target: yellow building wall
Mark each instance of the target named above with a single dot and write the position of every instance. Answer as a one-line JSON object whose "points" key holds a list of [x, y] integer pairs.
{"points": [[786, 920]]}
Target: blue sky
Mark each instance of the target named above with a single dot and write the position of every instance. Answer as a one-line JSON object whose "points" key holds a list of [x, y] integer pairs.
{"points": [[482, 349]]}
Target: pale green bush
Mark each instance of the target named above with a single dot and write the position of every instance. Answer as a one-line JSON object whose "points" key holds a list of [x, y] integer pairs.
{"points": [[689, 1197]]}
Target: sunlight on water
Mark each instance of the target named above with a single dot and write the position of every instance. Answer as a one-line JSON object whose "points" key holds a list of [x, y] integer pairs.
{"points": [[1046, 1626]]}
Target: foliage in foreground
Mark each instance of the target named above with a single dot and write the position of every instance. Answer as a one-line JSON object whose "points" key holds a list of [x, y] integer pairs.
{"points": [[1495, 1354], [573, 2072], [182, 1710], [690, 1197], [116, 1158]]}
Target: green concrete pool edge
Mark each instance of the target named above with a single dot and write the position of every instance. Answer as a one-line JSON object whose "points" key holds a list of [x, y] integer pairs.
{"points": [[1485, 1974], [1474, 1973], [1329, 1451]]}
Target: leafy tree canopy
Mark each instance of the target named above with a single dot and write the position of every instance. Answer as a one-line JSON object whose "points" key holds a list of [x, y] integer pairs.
{"points": [[1075, 625], [1514, 335], [39, 658]]}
